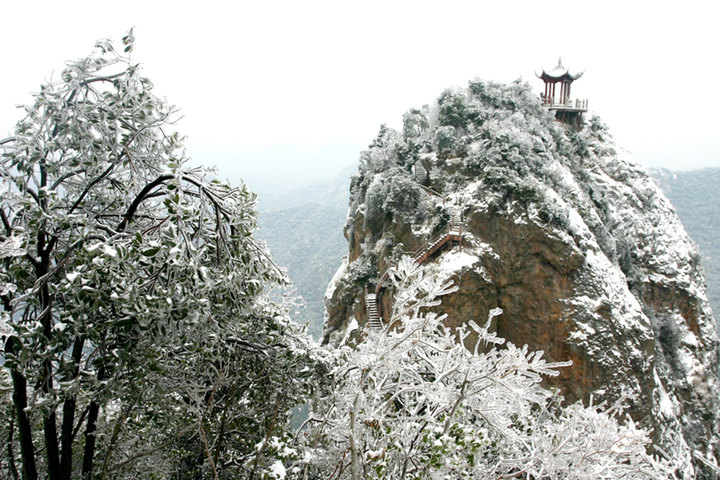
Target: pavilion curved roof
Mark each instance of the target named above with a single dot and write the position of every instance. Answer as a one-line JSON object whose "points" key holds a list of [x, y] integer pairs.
{"points": [[559, 73]]}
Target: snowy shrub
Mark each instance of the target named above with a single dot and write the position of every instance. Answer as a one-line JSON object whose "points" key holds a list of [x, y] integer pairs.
{"points": [[419, 400], [363, 269], [405, 155], [511, 186], [447, 141], [597, 126], [415, 122], [452, 109], [375, 211], [490, 93], [405, 199], [474, 164], [395, 196], [382, 153], [359, 181]]}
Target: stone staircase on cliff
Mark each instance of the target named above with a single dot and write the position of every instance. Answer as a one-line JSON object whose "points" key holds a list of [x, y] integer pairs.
{"points": [[450, 237], [455, 220]]}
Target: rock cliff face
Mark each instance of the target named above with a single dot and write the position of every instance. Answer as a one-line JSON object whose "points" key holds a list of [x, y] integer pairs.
{"points": [[560, 229]]}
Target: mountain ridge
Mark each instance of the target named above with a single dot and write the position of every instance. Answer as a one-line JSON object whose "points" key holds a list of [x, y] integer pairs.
{"points": [[563, 231]]}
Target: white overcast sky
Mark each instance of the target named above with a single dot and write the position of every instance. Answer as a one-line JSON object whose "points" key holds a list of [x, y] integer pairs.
{"points": [[280, 93]]}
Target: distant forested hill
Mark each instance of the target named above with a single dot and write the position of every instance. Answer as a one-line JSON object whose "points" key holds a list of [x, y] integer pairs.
{"points": [[304, 230], [696, 197]]}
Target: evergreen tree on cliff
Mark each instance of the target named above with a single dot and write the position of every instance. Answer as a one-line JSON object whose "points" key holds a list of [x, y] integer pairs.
{"points": [[420, 400]]}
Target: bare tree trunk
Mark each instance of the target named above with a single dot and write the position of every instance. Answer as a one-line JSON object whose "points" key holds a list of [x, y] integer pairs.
{"points": [[51, 446], [27, 450], [89, 453], [69, 406], [52, 450], [10, 452]]}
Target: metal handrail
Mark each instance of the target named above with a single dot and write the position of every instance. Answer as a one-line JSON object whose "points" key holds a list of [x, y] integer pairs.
{"points": [[418, 253]]}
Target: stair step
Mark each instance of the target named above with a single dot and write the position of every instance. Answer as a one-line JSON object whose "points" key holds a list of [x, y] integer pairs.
{"points": [[374, 321]]}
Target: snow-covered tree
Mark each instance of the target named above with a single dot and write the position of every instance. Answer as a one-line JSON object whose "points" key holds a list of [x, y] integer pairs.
{"points": [[138, 337], [420, 400]]}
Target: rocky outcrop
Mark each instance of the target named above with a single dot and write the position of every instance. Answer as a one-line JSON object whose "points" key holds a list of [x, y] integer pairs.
{"points": [[564, 232]]}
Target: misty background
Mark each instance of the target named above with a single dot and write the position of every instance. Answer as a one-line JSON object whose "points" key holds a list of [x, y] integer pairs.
{"points": [[284, 95]]}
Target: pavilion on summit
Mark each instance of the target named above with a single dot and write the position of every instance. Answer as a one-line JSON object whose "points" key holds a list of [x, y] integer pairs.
{"points": [[557, 97]]}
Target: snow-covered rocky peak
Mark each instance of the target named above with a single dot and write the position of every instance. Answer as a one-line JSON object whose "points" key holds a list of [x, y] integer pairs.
{"points": [[558, 227]]}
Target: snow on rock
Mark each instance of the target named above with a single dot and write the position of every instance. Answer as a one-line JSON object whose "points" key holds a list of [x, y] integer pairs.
{"points": [[341, 271], [457, 260]]}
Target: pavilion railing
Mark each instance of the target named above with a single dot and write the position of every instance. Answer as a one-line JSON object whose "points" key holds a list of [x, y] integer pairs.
{"points": [[580, 104]]}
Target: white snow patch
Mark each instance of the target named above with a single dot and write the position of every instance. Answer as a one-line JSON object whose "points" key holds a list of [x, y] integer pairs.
{"points": [[690, 340], [457, 260], [340, 273], [60, 326], [93, 247], [72, 276], [11, 247], [624, 302], [373, 454], [352, 326], [6, 288], [277, 470], [422, 230], [5, 328], [665, 403]]}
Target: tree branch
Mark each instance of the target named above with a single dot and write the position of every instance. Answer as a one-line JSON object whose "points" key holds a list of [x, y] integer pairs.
{"points": [[6, 222], [127, 218], [62, 178], [113, 443], [153, 450]]}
